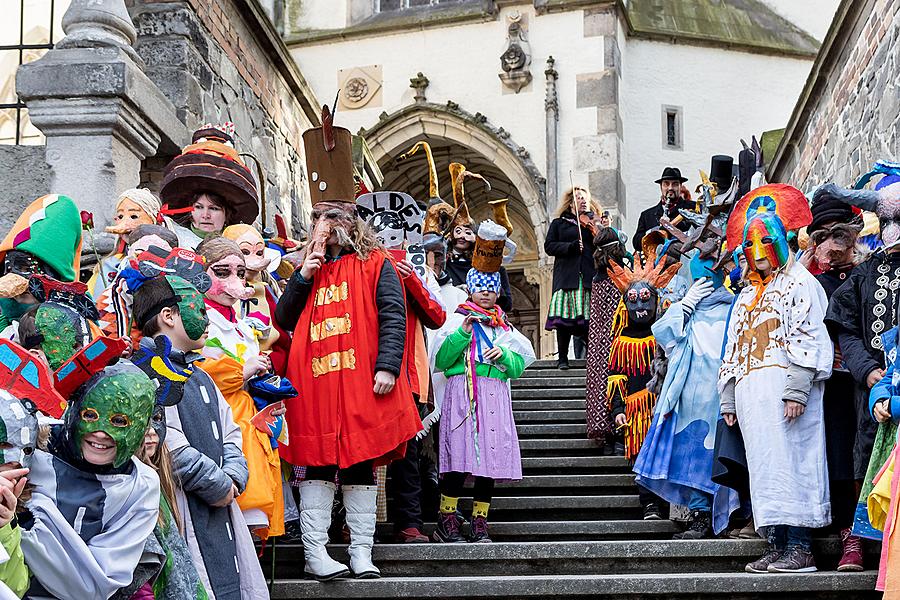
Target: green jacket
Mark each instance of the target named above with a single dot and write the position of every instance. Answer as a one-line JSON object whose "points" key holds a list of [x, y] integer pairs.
{"points": [[450, 359], [13, 572]]}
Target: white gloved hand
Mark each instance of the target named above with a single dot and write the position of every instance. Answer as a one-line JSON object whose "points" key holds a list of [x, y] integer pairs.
{"points": [[700, 289]]}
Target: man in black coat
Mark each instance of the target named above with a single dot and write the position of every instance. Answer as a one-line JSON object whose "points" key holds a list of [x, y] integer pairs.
{"points": [[670, 200]]}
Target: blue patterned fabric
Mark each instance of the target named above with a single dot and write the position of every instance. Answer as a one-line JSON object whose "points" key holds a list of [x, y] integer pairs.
{"points": [[478, 281]]}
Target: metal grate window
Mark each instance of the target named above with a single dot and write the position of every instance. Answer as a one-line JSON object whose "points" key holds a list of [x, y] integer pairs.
{"points": [[391, 5], [25, 35]]}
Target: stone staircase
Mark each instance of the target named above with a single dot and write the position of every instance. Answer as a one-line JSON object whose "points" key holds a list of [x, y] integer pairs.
{"points": [[571, 528]]}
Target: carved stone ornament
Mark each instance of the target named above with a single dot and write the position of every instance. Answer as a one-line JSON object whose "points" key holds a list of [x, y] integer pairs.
{"points": [[360, 87], [516, 59]]}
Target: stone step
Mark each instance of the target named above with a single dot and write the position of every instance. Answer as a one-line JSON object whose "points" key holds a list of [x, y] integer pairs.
{"points": [[572, 465], [554, 372], [549, 416], [518, 531], [557, 444], [548, 382], [560, 557], [711, 586], [567, 404], [599, 483], [548, 394], [551, 364], [555, 430], [518, 508]]}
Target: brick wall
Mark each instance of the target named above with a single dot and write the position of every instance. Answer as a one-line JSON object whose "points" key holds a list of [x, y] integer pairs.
{"points": [[853, 116], [210, 62]]}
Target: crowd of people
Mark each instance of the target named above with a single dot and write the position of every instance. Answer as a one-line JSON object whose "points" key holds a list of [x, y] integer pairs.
{"points": [[743, 358], [209, 385]]}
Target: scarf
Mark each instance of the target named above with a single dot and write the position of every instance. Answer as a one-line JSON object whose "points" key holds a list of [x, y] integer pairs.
{"points": [[760, 283], [495, 316]]}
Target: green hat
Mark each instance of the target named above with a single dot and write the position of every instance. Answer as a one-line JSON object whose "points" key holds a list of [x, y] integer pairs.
{"points": [[50, 230]]}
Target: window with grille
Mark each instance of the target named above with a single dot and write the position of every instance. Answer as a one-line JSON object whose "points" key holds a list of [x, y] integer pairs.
{"points": [[29, 28], [672, 128]]}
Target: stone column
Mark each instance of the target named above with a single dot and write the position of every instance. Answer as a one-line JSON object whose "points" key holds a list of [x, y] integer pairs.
{"points": [[100, 114], [551, 107]]}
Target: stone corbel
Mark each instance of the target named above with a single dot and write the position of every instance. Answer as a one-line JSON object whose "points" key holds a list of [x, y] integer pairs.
{"points": [[515, 61]]}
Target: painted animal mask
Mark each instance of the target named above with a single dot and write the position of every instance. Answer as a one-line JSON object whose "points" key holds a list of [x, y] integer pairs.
{"points": [[766, 237], [18, 430], [229, 281]]}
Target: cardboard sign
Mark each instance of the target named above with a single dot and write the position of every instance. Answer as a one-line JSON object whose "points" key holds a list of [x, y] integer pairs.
{"points": [[396, 217]]}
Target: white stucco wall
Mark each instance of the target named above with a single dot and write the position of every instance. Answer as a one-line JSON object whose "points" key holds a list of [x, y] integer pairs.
{"points": [[725, 96], [462, 64]]}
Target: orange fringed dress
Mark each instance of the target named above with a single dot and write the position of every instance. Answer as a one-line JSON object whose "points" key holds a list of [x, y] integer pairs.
{"points": [[338, 419], [629, 371]]}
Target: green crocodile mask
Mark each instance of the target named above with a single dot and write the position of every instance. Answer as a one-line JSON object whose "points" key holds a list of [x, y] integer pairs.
{"points": [[64, 331], [117, 401]]}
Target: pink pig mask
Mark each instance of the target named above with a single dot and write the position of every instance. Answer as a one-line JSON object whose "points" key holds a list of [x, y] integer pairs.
{"points": [[229, 281]]}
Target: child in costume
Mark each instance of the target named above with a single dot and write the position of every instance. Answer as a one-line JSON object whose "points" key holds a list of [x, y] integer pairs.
{"points": [[777, 358], [260, 261], [630, 355], [45, 239], [204, 442], [346, 307], [233, 359], [86, 536], [479, 352]]}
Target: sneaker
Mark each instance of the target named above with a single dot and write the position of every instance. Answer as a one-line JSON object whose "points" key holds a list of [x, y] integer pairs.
{"points": [[479, 531], [652, 512], [852, 558], [292, 532], [761, 565], [410, 535], [700, 529], [447, 530], [794, 560]]}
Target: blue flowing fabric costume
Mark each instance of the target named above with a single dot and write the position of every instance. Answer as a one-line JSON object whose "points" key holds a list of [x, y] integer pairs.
{"points": [[676, 459]]}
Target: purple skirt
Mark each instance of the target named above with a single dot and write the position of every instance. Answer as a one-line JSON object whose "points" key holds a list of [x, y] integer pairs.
{"points": [[498, 455]]}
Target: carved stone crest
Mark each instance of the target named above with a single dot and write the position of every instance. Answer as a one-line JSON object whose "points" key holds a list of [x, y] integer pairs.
{"points": [[360, 87], [515, 61]]}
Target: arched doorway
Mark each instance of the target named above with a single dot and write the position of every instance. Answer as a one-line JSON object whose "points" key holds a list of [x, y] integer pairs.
{"points": [[456, 136]]}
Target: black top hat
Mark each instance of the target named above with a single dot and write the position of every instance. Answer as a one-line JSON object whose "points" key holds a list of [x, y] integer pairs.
{"points": [[671, 174], [721, 171]]}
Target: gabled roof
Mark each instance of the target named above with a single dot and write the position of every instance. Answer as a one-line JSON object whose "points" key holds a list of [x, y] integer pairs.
{"points": [[746, 25]]}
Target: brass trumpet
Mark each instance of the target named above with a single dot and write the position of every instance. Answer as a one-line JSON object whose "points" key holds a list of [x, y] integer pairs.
{"points": [[500, 216]]}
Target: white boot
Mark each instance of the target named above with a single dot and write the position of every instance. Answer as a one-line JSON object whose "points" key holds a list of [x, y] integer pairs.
{"points": [[359, 502], [316, 500]]}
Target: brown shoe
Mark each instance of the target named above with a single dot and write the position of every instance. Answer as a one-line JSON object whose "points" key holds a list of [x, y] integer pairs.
{"points": [[794, 560], [761, 565], [410, 535]]}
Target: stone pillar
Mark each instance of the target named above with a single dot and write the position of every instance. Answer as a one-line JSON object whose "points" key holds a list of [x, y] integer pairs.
{"points": [[551, 107], [100, 114]]}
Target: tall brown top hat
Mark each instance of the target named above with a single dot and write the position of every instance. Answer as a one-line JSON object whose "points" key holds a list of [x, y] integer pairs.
{"points": [[211, 164], [329, 162]]}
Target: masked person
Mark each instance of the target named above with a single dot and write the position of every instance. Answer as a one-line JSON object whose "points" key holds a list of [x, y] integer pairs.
{"points": [[859, 312], [233, 361], [570, 241], [203, 440], [346, 306], [45, 239], [831, 255], [675, 461], [777, 358], [99, 519], [630, 355], [479, 352]]}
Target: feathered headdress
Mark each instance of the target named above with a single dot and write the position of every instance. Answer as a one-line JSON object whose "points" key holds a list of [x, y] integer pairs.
{"points": [[655, 274], [785, 201]]}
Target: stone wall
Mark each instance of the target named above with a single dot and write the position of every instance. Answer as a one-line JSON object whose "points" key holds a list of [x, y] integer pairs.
{"points": [[26, 176], [849, 114], [216, 62]]}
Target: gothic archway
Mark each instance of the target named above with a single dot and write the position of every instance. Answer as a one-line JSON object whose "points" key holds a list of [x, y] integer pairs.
{"points": [[456, 135]]}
